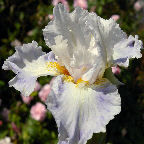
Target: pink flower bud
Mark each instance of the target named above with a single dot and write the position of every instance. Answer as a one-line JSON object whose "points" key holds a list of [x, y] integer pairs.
{"points": [[38, 111], [116, 70], [1, 122], [43, 94], [55, 2], [37, 87], [115, 17], [81, 3], [27, 99], [50, 16]]}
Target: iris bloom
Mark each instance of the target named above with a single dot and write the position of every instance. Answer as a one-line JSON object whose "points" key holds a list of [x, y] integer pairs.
{"points": [[84, 96]]}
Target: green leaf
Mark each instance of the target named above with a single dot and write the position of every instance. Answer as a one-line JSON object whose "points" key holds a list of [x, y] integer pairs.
{"points": [[2, 83]]}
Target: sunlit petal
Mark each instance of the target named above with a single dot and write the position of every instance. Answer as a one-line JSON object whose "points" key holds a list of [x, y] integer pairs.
{"points": [[91, 43], [72, 41]]}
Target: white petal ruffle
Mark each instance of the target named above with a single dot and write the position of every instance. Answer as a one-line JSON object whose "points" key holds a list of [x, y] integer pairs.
{"points": [[29, 62], [80, 112], [126, 49]]}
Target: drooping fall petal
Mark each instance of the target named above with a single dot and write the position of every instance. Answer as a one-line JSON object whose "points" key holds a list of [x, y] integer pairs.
{"points": [[80, 112]]}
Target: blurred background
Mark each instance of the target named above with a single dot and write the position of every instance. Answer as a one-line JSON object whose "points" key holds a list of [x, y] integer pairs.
{"points": [[26, 120]]}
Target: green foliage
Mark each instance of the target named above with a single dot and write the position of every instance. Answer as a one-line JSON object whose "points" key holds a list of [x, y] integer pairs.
{"points": [[23, 21]]}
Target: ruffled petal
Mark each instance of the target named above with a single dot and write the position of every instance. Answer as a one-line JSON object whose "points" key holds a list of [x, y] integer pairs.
{"points": [[81, 111], [113, 43], [29, 62], [126, 49], [69, 32], [107, 33], [86, 39], [69, 25]]}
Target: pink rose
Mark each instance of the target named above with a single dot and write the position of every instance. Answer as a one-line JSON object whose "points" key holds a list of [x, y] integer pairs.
{"points": [[116, 70], [115, 17], [43, 94], [27, 99], [138, 5], [38, 111], [55, 2], [81, 3]]}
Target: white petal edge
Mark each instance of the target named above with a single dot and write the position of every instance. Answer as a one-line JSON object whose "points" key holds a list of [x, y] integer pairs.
{"points": [[126, 49]]}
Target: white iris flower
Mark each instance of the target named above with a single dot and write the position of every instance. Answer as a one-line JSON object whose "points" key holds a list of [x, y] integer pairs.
{"points": [[83, 46]]}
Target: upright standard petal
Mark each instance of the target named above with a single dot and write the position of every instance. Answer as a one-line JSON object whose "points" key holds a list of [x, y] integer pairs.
{"points": [[81, 111], [69, 25], [107, 33], [29, 62], [68, 32], [115, 46], [88, 39]]}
